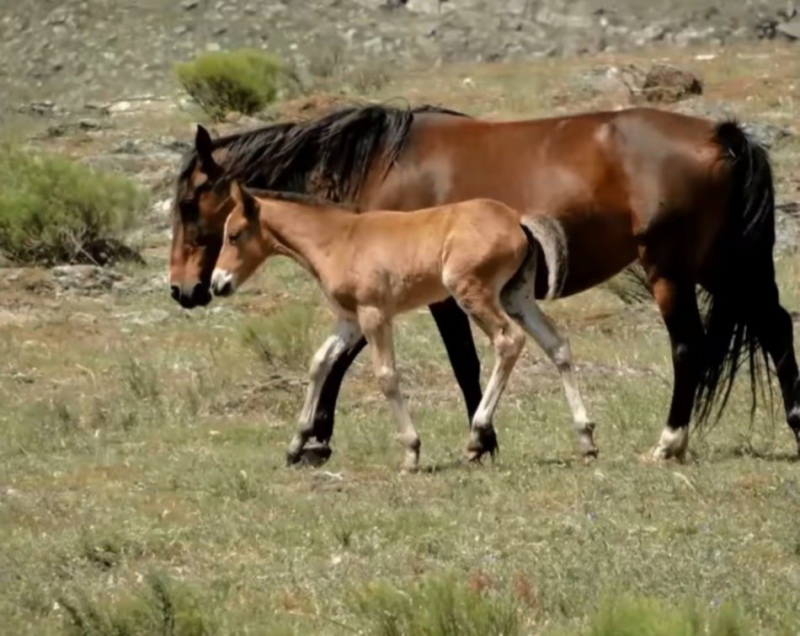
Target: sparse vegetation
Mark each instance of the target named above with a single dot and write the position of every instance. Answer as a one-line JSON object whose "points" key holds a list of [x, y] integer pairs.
{"points": [[139, 438], [55, 210], [242, 80], [437, 606]]}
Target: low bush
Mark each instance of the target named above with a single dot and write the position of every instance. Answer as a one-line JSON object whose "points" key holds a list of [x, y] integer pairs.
{"points": [[242, 80], [54, 210]]}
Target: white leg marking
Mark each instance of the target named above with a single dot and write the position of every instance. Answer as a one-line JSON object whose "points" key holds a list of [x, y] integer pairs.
{"points": [[346, 334], [522, 306], [672, 443]]}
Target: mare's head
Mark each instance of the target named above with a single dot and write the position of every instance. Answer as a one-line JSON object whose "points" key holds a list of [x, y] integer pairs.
{"points": [[200, 208], [246, 243]]}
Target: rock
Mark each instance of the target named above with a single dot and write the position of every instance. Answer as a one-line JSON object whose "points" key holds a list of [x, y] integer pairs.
{"points": [[790, 29], [81, 56], [767, 134], [664, 83], [85, 279]]}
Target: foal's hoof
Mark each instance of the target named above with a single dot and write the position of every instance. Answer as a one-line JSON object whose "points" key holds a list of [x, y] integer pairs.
{"points": [[313, 455], [482, 441], [589, 456]]}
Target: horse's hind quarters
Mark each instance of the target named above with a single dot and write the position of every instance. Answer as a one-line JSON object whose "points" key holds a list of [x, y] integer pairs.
{"points": [[222, 283]]}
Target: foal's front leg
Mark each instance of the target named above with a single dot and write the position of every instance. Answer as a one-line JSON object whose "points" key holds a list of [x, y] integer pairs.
{"points": [[377, 329], [346, 334]]}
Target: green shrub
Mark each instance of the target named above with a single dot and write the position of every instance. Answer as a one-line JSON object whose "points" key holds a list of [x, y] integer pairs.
{"points": [[161, 607], [55, 210], [243, 80], [643, 616], [435, 606], [284, 338]]}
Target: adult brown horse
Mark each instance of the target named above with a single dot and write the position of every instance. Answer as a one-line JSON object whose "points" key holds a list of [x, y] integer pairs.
{"points": [[691, 199]]}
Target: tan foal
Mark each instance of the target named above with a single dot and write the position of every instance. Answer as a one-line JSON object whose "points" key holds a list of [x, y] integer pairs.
{"points": [[373, 267]]}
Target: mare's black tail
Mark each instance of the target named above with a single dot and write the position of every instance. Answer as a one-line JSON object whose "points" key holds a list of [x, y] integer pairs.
{"points": [[742, 271]]}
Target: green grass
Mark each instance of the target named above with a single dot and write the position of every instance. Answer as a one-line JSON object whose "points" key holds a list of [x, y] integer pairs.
{"points": [[162, 455], [55, 210]]}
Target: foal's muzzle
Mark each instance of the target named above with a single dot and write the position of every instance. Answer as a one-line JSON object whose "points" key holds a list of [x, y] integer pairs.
{"points": [[222, 283]]}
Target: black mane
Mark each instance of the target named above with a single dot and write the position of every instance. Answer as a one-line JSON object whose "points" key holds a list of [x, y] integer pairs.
{"points": [[330, 154]]}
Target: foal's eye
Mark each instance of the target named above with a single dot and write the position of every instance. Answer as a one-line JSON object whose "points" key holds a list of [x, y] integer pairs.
{"points": [[234, 236]]}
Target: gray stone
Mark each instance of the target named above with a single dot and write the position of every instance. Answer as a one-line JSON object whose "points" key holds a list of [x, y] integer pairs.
{"points": [[790, 29]]}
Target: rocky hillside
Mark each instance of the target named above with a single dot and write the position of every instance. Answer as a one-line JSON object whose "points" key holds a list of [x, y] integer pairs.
{"points": [[74, 51]]}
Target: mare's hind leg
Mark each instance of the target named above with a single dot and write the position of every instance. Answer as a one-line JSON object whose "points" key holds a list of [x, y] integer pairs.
{"points": [[677, 302], [521, 305], [346, 335], [377, 329], [776, 333]]}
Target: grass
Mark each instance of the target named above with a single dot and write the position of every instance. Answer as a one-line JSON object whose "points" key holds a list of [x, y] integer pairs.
{"points": [[142, 486]]}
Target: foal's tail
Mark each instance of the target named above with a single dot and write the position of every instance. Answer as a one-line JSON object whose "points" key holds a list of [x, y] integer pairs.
{"points": [[546, 233], [742, 274]]}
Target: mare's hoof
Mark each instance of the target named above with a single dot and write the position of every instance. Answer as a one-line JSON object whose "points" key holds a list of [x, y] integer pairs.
{"points": [[794, 423], [313, 455], [482, 441]]}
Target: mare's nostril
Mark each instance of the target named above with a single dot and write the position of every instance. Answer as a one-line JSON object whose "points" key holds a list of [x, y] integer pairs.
{"points": [[175, 292]]}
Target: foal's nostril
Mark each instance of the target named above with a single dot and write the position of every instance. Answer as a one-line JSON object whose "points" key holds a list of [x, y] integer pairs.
{"points": [[175, 292]]}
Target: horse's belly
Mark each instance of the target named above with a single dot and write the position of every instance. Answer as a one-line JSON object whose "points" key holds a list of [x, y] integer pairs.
{"points": [[599, 246]]}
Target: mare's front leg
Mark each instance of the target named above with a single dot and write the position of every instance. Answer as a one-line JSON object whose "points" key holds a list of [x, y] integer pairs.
{"points": [[325, 415], [347, 333], [678, 305], [378, 330], [453, 326]]}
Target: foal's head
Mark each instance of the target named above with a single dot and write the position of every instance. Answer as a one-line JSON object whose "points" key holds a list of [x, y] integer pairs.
{"points": [[245, 244]]}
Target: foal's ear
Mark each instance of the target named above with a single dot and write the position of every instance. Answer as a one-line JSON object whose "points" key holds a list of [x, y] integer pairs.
{"points": [[204, 146], [241, 196]]}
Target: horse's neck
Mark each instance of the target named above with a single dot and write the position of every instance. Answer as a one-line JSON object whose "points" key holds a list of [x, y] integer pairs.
{"points": [[304, 233]]}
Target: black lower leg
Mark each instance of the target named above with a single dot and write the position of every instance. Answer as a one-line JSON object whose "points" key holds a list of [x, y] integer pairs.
{"points": [[678, 305], [326, 408], [453, 326], [775, 333]]}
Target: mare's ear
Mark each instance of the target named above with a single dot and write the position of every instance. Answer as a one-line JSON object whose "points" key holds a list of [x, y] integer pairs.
{"points": [[204, 146], [242, 196]]}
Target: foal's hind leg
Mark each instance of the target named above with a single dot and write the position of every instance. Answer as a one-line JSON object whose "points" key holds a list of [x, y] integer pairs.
{"points": [[522, 306], [377, 329], [677, 302], [346, 335], [508, 341]]}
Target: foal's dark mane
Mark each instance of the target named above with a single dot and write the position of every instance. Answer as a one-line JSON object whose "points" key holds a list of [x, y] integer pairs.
{"points": [[330, 154]]}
